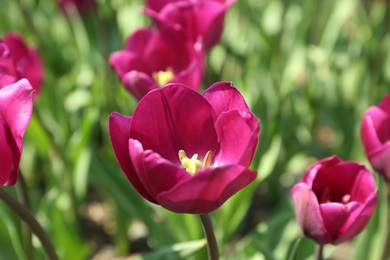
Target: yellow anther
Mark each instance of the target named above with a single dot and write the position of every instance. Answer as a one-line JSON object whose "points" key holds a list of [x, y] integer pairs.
{"points": [[193, 165], [163, 77]]}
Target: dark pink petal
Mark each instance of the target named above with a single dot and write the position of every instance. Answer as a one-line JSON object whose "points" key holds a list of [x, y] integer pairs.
{"points": [[224, 97], [139, 40], [6, 152], [175, 118], [334, 216], [16, 106], [156, 174], [211, 24], [119, 130], [27, 61], [207, 190], [308, 213], [375, 122], [157, 5], [339, 179], [168, 49], [192, 75], [309, 176], [364, 186], [385, 104], [380, 160], [138, 83], [357, 220], [125, 61], [238, 137]]}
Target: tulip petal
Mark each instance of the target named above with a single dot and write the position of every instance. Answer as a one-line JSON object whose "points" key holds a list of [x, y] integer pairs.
{"points": [[16, 106], [156, 174], [224, 97], [374, 129], [119, 130], [207, 190], [340, 179], [175, 118], [238, 137], [357, 219], [138, 83], [308, 213], [334, 216], [6, 153], [124, 61]]}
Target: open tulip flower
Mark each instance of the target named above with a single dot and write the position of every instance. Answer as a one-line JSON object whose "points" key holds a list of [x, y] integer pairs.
{"points": [[195, 19], [334, 200], [16, 106], [185, 151], [375, 135], [152, 59], [18, 61]]}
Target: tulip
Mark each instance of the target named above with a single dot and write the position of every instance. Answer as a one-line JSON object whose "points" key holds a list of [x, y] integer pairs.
{"points": [[152, 59], [18, 61], [334, 200], [375, 135], [185, 151], [15, 112], [195, 19]]}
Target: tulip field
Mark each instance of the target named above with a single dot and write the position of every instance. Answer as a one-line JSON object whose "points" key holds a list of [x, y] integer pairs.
{"points": [[194, 129]]}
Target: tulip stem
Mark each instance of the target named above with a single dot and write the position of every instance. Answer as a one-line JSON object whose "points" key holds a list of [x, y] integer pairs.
{"points": [[318, 255], [30, 220], [386, 248], [21, 190], [212, 246]]}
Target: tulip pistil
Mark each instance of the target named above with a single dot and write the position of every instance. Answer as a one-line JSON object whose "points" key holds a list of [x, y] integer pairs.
{"points": [[163, 77], [193, 165]]}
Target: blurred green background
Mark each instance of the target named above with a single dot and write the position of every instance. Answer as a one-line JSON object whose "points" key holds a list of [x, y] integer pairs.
{"points": [[308, 69]]}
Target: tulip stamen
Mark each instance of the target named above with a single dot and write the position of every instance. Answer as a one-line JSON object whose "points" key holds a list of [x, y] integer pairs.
{"points": [[163, 77], [207, 159], [193, 165], [345, 199]]}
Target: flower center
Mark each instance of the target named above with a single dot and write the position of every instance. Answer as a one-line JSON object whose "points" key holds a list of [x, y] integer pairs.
{"points": [[193, 165], [163, 77]]}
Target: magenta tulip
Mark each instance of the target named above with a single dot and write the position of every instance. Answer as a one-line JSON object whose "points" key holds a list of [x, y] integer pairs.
{"points": [[16, 106], [195, 19], [152, 59], [334, 200], [216, 130], [375, 135], [18, 61]]}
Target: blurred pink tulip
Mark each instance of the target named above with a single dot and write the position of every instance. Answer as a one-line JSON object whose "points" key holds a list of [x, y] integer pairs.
{"points": [[193, 18], [169, 123], [18, 61], [334, 200], [152, 59], [375, 135], [16, 106]]}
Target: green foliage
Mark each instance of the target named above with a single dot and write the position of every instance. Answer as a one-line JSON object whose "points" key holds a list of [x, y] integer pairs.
{"points": [[308, 69]]}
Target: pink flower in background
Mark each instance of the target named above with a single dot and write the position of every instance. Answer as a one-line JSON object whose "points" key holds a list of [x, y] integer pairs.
{"points": [[334, 200], [82, 6], [18, 61], [185, 151], [16, 106], [152, 59], [375, 135], [194, 19]]}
